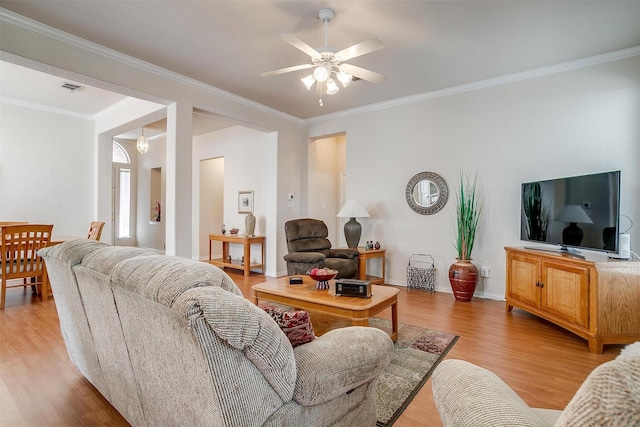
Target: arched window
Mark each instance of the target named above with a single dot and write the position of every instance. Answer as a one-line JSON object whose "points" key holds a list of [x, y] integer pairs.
{"points": [[119, 154], [123, 190]]}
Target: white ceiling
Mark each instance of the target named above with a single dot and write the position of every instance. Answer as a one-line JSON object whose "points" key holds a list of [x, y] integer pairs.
{"points": [[429, 45]]}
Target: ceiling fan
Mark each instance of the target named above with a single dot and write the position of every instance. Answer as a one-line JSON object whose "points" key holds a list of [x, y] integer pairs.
{"points": [[328, 61]]}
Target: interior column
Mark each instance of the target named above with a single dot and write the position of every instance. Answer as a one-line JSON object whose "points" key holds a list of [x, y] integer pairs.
{"points": [[179, 191]]}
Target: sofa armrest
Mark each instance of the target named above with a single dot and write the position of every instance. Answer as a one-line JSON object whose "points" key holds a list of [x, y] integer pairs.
{"points": [[344, 253], [468, 395], [305, 257], [338, 362]]}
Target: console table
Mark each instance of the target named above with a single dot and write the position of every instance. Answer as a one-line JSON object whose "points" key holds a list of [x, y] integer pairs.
{"points": [[246, 241]]}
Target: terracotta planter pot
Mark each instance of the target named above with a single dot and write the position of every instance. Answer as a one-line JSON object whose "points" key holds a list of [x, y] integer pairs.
{"points": [[463, 277]]}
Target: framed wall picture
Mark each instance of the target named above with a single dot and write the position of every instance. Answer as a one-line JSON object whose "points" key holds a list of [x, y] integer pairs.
{"points": [[245, 201]]}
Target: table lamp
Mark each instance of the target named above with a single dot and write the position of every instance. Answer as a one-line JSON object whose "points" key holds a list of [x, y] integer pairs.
{"points": [[352, 229], [573, 214]]}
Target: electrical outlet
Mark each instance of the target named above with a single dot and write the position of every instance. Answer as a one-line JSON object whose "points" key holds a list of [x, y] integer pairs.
{"points": [[485, 272]]}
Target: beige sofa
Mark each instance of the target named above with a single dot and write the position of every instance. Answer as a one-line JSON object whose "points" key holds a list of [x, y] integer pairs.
{"points": [[469, 396], [170, 341]]}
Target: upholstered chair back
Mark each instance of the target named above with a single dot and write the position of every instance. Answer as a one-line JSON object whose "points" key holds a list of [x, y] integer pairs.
{"points": [[307, 235]]}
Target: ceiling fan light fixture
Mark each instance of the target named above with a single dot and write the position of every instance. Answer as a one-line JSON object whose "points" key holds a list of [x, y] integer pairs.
{"points": [[321, 73], [142, 145], [326, 61], [308, 81], [332, 87], [345, 78]]}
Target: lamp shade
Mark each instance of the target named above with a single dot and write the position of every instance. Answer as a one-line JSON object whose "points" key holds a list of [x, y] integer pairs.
{"points": [[308, 81], [353, 209], [574, 213], [332, 87]]}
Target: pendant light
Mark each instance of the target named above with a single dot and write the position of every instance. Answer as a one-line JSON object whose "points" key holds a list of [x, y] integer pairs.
{"points": [[142, 144]]}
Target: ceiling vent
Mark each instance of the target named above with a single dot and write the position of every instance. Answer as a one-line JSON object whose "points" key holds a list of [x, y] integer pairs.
{"points": [[70, 86]]}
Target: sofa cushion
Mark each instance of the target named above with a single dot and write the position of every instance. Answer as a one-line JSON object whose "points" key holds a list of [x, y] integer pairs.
{"points": [[296, 324], [164, 278], [245, 327], [610, 395], [357, 355], [72, 251], [104, 259], [468, 395]]}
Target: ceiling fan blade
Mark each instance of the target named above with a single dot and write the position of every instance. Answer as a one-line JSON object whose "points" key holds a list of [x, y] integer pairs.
{"points": [[361, 48], [299, 44], [362, 73], [286, 70]]}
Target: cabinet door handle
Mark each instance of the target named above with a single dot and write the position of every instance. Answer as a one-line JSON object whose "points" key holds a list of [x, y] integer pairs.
{"points": [[541, 285], [537, 283]]}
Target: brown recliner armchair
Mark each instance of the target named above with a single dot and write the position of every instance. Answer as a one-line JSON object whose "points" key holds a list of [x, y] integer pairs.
{"points": [[309, 248]]}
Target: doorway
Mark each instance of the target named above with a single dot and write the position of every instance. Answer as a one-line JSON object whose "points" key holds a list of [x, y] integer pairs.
{"points": [[123, 197], [211, 204], [327, 182]]}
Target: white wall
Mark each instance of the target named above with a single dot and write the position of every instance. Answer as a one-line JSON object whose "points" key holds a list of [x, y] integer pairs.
{"points": [[571, 123], [46, 169], [245, 152]]}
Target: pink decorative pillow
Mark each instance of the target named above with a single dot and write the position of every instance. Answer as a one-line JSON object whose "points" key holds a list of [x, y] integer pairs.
{"points": [[296, 324]]}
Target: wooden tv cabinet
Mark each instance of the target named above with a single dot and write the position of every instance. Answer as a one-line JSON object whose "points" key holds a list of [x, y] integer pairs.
{"points": [[596, 299]]}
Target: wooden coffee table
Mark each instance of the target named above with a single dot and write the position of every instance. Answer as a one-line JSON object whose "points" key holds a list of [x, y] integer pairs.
{"points": [[355, 310]]}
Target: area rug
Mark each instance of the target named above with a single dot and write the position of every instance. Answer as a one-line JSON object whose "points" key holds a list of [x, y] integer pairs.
{"points": [[416, 354]]}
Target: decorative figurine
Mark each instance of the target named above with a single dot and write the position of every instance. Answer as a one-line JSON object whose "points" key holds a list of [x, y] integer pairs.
{"points": [[158, 210], [377, 246], [223, 230]]}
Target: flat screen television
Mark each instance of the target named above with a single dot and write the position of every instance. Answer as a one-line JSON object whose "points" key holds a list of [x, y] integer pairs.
{"points": [[578, 212]]}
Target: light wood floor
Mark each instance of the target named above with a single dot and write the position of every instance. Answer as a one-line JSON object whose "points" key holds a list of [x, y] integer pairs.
{"points": [[544, 364]]}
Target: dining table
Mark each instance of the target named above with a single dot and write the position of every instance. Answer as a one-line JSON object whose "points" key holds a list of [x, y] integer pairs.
{"points": [[54, 240]]}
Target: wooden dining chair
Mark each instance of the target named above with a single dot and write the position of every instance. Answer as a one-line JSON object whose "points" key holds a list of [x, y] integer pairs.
{"points": [[95, 230], [3, 223], [19, 244]]}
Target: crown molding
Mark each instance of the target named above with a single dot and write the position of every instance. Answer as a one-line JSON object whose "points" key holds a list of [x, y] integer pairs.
{"points": [[45, 30], [48, 109], [120, 104], [483, 84], [54, 33]]}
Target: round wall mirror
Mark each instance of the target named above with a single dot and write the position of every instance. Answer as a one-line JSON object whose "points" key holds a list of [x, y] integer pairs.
{"points": [[426, 193]]}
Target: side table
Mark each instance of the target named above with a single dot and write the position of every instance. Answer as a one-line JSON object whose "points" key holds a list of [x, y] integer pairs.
{"points": [[365, 255]]}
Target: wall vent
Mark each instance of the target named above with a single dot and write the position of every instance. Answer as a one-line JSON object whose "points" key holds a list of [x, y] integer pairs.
{"points": [[71, 86]]}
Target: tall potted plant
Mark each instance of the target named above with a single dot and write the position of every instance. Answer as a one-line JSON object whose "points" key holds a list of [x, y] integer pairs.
{"points": [[463, 275]]}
